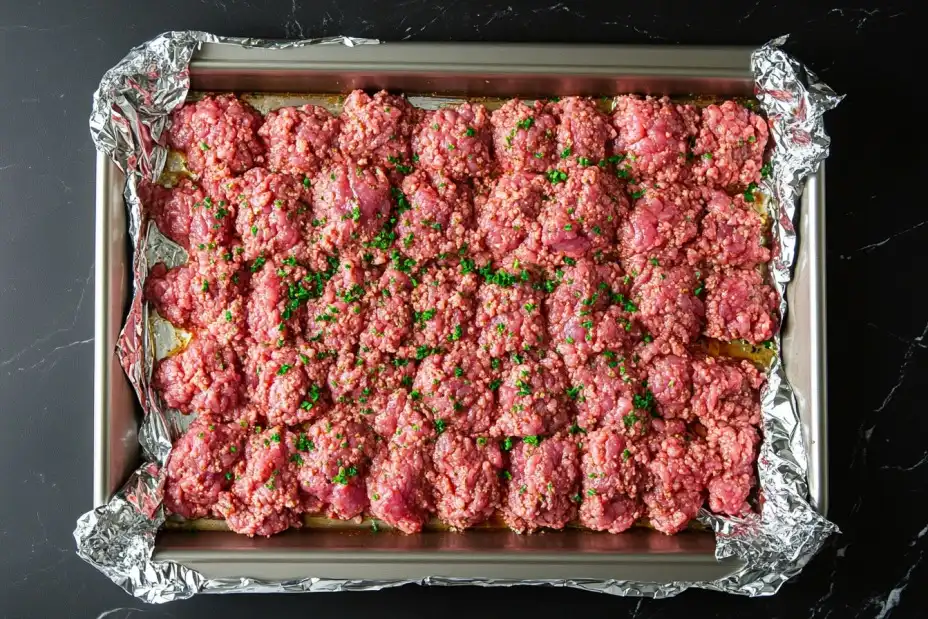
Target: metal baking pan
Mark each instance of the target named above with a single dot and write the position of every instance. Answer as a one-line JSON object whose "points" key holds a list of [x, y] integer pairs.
{"points": [[474, 70]]}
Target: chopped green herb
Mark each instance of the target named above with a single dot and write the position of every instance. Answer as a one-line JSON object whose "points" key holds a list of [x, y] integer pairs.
{"points": [[455, 334], [556, 176], [749, 192], [766, 170], [205, 286], [629, 419], [506, 444], [575, 429], [626, 455], [459, 371], [304, 443], [574, 392], [584, 161], [506, 475], [284, 368], [532, 440], [204, 146], [470, 132], [565, 153], [638, 194], [481, 441], [258, 263], [344, 474], [440, 426], [525, 123]]}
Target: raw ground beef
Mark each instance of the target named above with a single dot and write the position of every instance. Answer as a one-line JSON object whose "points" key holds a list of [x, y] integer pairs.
{"points": [[286, 385], [584, 213], [532, 398], [508, 217], [218, 134], [726, 390], [398, 488], [740, 306], [582, 131], [509, 319], [543, 484], [613, 471], [524, 138], [299, 139], [203, 378], [653, 137], [455, 388], [375, 130], [443, 307], [439, 218], [732, 232], [334, 457], [729, 148], [667, 304], [200, 466], [487, 327], [350, 204], [663, 221], [465, 479], [454, 141], [273, 210], [264, 498]]}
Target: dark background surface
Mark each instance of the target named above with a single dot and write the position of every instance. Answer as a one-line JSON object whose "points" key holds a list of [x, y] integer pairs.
{"points": [[52, 55]]}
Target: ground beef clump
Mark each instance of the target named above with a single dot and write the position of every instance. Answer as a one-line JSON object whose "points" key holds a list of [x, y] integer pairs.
{"points": [[663, 221], [438, 220], [203, 378], [584, 214], [335, 317], [507, 218], [735, 446], [740, 306], [299, 139], [732, 232], [200, 466], [455, 388], [465, 479], [543, 484], [668, 306], [677, 488], [334, 457], [613, 469], [729, 149], [264, 498], [524, 138], [582, 131], [366, 379], [532, 398], [398, 488], [272, 317], [219, 135], [670, 380], [508, 318], [273, 210], [375, 130], [190, 217], [455, 141], [443, 307], [653, 137], [286, 385], [726, 390], [401, 421], [350, 204], [389, 313], [605, 390]]}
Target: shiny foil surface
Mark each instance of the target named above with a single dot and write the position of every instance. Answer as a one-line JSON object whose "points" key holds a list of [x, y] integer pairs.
{"points": [[130, 114]]}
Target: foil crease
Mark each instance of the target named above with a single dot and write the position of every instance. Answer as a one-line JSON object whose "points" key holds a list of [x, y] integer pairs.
{"points": [[130, 113]]}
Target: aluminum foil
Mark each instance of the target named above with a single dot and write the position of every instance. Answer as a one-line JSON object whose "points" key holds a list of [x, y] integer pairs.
{"points": [[130, 114]]}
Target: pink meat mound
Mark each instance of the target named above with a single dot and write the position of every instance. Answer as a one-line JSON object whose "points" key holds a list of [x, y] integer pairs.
{"points": [[375, 130], [524, 138], [726, 390], [273, 211], [508, 319], [455, 388], [203, 378], [264, 498], [736, 447], [367, 379], [284, 385], [402, 421], [439, 218], [532, 398], [299, 139], [443, 307], [604, 390], [667, 304], [189, 216], [335, 317], [455, 141], [732, 232], [613, 471], [729, 149], [389, 313], [664, 219], [465, 479], [740, 306], [653, 137], [271, 316], [670, 379], [543, 485], [351, 203], [200, 466], [398, 490], [335, 453], [507, 218], [677, 489], [584, 214], [582, 131], [219, 135]]}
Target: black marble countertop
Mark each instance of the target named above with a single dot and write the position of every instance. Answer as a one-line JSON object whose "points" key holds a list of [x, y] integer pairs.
{"points": [[52, 55]]}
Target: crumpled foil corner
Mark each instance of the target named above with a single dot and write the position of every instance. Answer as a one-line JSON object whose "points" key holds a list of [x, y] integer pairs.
{"points": [[130, 113]]}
